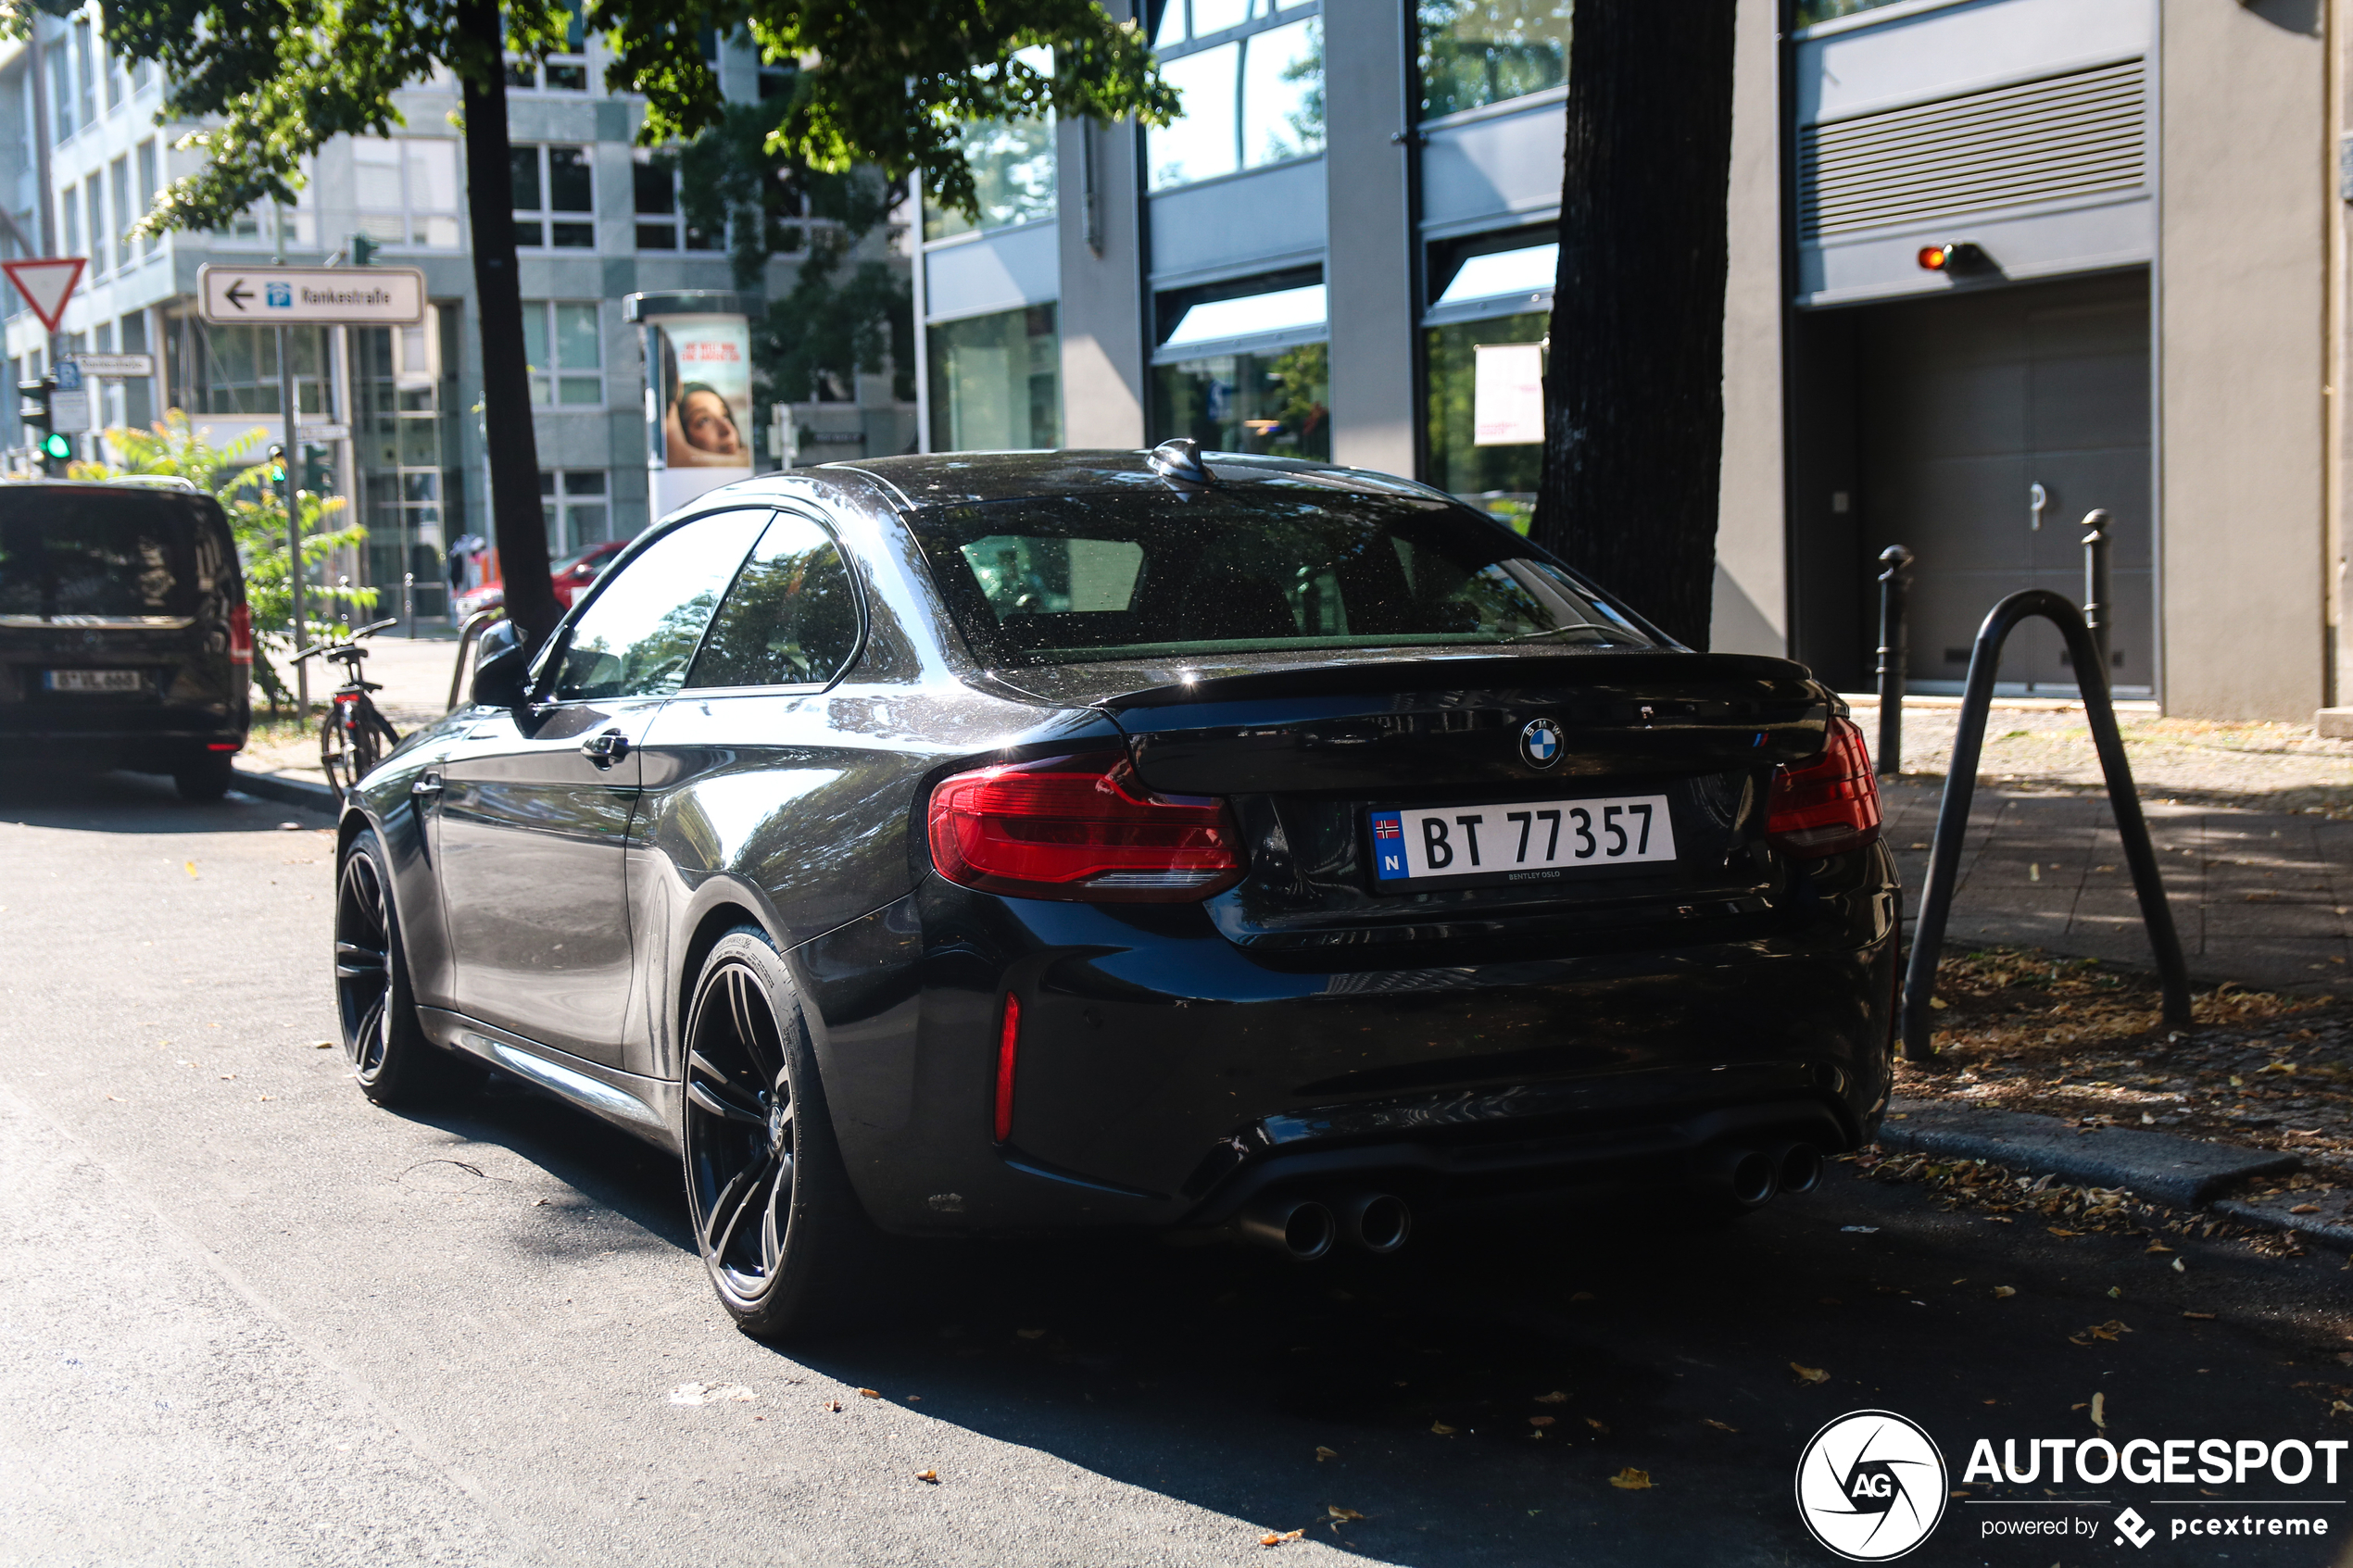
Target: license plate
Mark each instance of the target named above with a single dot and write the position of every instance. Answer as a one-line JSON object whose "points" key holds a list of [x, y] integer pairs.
{"points": [[97, 680], [1523, 841]]}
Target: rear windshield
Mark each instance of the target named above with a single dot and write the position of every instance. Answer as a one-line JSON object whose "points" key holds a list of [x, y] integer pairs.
{"points": [[1065, 579], [123, 554]]}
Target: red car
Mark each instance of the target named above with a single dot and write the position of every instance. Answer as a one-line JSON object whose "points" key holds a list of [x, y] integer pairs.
{"points": [[567, 576]]}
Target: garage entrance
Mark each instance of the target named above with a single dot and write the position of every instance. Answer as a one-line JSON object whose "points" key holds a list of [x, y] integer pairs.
{"points": [[1977, 430]]}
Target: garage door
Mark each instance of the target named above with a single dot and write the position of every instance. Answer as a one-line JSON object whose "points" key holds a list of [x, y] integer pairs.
{"points": [[1973, 408]]}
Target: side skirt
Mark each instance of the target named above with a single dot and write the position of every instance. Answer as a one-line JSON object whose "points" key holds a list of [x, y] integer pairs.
{"points": [[644, 1106]]}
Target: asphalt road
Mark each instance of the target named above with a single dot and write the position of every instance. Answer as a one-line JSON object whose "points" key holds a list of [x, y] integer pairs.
{"points": [[246, 1317]]}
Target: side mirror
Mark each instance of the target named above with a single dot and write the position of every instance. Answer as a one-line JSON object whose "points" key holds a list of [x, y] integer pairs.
{"points": [[502, 666]]}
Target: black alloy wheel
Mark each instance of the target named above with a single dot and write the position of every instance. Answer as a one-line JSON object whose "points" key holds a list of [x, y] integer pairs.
{"points": [[390, 1055], [777, 1224]]}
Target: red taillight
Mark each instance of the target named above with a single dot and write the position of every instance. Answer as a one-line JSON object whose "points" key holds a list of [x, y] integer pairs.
{"points": [[1829, 804], [240, 634], [1007, 1048], [1081, 828]]}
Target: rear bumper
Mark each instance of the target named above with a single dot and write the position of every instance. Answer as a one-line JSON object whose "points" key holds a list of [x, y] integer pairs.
{"points": [[1166, 1079]]}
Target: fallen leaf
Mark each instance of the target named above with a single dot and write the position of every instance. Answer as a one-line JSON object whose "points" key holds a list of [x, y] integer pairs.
{"points": [[2306, 1209], [2157, 1247], [2004, 1292], [833, 1405], [1720, 1426], [324, 1046], [2099, 1412], [1323, 1453], [1338, 1513], [1442, 1429], [1556, 1396], [930, 1476], [1595, 1424], [2179, 1267], [1938, 1003], [869, 1393], [2202, 1317], [1545, 1420], [1809, 1374], [1631, 1480], [1277, 1540], [2056, 1231], [191, 868]]}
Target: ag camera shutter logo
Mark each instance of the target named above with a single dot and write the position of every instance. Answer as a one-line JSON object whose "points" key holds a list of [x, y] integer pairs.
{"points": [[1870, 1485]]}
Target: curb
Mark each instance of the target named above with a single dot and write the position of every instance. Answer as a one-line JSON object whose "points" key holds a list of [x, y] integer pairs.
{"points": [[2179, 1171], [2274, 1211], [288, 790]]}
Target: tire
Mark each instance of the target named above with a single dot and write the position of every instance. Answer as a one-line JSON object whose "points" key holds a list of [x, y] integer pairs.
{"points": [[393, 1060], [789, 1249], [204, 778]]}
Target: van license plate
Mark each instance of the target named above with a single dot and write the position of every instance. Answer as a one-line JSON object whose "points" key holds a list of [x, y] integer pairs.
{"points": [[98, 681], [1523, 841]]}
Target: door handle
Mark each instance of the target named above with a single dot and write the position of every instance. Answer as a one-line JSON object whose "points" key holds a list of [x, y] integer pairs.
{"points": [[2036, 500], [605, 749], [426, 784]]}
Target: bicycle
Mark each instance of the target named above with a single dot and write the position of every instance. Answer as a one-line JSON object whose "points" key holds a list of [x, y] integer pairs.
{"points": [[353, 735]]}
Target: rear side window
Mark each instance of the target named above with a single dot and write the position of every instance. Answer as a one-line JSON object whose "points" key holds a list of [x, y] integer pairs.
{"points": [[791, 620], [66, 553], [637, 636], [1264, 566]]}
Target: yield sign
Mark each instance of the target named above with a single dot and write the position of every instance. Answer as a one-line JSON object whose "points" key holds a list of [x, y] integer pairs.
{"points": [[46, 282]]}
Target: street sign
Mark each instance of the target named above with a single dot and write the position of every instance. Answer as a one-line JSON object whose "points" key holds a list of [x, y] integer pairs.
{"points": [[328, 297], [67, 375], [320, 435], [46, 282], [113, 364], [69, 412]]}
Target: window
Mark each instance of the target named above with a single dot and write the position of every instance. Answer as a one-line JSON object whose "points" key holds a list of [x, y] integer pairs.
{"points": [[1812, 11], [996, 382], [1284, 564], [84, 72], [566, 71], [1012, 165], [660, 224], [1476, 52], [565, 346], [639, 634], [576, 508], [94, 202], [73, 220], [791, 620], [119, 181], [1241, 366], [406, 189], [1499, 479], [1250, 100], [551, 182], [61, 93], [148, 189], [119, 88]]}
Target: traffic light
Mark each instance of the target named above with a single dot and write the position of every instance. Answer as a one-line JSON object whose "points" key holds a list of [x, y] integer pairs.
{"points": [[32, 410], [317, 468], [363, 250]]}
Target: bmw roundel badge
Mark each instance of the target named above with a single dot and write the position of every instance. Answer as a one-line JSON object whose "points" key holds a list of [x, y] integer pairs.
{"points": [[1540, 744]]}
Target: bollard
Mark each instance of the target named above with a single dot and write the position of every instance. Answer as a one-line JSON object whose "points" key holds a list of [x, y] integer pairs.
{"points": [[2098, 608], [1894, 656], [408, 602]]}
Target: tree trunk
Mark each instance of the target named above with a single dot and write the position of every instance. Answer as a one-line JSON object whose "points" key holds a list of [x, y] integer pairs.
{"points": [[1634, 392], [518, 525]]}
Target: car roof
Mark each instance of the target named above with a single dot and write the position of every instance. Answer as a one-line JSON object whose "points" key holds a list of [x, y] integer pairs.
{"points": [[949, 479]]}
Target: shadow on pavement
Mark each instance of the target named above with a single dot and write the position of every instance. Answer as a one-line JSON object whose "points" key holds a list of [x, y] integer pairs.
{"points": [[1473, 1398], [118, 802]]}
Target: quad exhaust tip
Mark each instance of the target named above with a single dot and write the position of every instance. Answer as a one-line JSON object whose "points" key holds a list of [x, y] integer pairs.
{"points": [[1305, 1229], [1801, 1167]]}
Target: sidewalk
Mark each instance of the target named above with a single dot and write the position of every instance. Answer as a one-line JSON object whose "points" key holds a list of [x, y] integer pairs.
{"points": [[2258, 897]]}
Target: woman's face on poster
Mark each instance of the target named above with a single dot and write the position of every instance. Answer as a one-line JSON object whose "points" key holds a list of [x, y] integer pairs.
{"points": [[704, 420]]}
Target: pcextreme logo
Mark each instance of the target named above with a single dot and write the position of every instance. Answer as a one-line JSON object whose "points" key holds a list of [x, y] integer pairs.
{"points": [[1870, 1485]]}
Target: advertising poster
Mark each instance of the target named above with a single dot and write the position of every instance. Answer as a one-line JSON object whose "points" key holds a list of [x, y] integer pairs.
{"points": [[698, 407]]}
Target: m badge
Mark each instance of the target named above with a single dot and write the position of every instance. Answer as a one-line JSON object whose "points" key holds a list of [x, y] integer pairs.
{"points": [[1540, 744]]}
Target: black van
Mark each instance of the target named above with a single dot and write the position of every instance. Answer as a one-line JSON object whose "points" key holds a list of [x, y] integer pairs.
{"points": [[125, 640]]}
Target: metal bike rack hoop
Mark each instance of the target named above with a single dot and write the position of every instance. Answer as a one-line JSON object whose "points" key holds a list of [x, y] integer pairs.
{"points": [[1960, 785]]}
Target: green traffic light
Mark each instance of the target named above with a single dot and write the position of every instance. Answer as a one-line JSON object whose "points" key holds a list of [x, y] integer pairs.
{"points": [[277, 473], [57, 446]]}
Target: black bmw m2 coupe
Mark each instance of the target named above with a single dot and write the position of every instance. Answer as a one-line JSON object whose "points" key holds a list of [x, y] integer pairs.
{"points": [[1108, 841]]}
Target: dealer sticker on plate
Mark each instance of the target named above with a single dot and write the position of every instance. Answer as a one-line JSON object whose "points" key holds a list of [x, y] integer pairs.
{"points": [[1530, 838]]}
